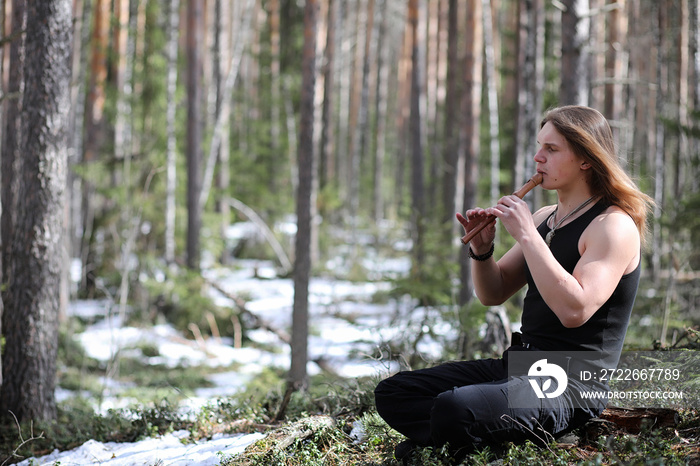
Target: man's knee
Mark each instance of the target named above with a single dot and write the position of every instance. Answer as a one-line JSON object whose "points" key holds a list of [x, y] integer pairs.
{"points": [[449, 418]]}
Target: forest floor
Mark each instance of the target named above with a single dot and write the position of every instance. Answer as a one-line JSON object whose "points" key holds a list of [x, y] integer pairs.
{"points": [[132, 394]]}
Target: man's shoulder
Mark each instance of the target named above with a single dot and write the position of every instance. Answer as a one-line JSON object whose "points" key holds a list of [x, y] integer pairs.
{"points": [[615, 225]]}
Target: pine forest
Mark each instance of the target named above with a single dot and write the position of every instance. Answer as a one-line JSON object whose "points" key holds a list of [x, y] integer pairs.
{"points": [[140, 138]]}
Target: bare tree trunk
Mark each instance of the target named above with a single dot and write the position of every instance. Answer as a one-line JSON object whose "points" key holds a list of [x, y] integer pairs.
{"points": [[659, 153], [574, 54], [326, 161], [11, 147], [123, 74], [416, 131], [528, 111], [81, 46], [344, 100], [471, 108], [491, 76], [222, 54], [221, 117], [353, 153], [194, 130], [31, 322], [453, 123], [361, 132], [95, 123], [298, 377], [380, 111], [173, 29], [600, 51]]}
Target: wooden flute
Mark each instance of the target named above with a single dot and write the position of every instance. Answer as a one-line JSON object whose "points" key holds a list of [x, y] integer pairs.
{"points": [[531, 183]]}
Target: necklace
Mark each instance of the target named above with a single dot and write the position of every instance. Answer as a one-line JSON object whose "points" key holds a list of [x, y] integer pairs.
{"points": [[552, 231]]}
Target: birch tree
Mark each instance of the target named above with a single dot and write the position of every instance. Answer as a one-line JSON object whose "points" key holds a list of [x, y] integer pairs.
{"points": [[172, 33]]}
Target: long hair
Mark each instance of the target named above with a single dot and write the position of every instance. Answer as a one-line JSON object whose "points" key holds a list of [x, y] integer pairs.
{"points": [[590, 137]]}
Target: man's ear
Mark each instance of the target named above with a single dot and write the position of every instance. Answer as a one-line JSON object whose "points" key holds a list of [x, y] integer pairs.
{"points": [[585, 165]]}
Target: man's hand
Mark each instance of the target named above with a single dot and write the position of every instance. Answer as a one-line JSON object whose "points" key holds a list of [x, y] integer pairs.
{"points": [[481, 243]]}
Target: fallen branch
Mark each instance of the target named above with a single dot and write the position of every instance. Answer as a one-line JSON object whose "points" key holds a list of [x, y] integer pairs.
{"points": [[258, 321]]}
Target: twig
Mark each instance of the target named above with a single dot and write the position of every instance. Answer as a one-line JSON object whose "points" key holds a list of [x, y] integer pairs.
{"points": [[21, 438], [258, 321], [544, 441]]}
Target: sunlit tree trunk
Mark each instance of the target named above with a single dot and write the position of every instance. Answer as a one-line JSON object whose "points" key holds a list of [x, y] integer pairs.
{"points": [[31, 319], [194, 130], [173, 29], [361, 134], [575, 25], [471, 109], [530, 87], [492, 93]]}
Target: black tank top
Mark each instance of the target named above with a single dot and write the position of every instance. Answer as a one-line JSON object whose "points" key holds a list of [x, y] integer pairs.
{"points": [[605, 330]]}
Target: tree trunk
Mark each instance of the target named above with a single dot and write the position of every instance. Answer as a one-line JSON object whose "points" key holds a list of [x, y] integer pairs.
{"points": [[298, 377], [575, 26], [11, 160], [530, 89], [416, 131], [172, 31], [471, 106], [659, 153], [492, 93], [362, 130], [194, 130], [452, 123], [380, 112], [94, 138], [31, 320], [326, 167]]}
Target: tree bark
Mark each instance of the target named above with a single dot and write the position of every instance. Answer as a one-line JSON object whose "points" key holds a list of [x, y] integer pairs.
{"points": [[452, 122], [575, 25], [298, 377], [31, 322], [172, 32], [94, 138], [416, 132], [194, 130], [11, 159], [491, 74], [471, 105], [380, 112]]}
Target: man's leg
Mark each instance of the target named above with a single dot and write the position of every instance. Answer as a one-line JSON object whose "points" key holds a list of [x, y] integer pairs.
{"points": [[503, 411], [405, 400]]}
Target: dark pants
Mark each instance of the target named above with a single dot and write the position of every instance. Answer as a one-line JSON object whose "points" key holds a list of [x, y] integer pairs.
{"points": [[466, 404]]}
